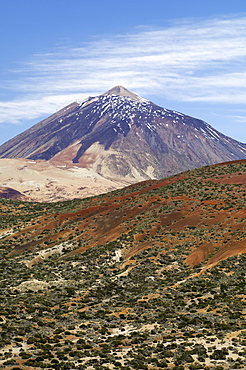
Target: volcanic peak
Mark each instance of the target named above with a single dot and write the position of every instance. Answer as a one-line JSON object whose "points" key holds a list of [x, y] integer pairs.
{"points": [[122, 136], [122, 91]]}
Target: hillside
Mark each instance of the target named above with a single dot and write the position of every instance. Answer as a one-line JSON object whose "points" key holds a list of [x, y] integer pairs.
{"points": [[151, 276]]}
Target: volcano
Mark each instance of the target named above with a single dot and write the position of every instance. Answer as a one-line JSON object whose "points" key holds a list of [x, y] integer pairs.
{"points": [[119, 135]]}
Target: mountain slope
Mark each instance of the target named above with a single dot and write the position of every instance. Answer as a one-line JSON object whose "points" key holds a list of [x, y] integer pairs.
{"points": [[151, 276], [120, 135]]}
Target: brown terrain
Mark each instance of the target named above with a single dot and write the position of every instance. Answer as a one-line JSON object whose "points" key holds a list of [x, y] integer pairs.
{"points": [[151, 276]]}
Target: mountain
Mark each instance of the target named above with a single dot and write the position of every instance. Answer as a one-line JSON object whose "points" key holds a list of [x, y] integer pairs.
{"points": [[121, 136], [151, 276]]}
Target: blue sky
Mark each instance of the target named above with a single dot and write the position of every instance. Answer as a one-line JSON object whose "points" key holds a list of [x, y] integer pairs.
{"points": [[189, 56]]}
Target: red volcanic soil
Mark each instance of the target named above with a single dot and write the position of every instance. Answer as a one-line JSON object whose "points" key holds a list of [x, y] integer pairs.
{"points": [[149, 214], [236, 179]]}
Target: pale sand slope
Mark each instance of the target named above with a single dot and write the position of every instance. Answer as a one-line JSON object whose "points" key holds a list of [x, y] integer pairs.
{"points": [[43, 182]]}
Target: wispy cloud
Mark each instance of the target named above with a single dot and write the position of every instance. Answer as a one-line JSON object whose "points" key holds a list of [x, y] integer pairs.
{"points": [[189, 61]]}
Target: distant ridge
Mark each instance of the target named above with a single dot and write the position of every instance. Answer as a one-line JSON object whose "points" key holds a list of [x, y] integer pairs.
{"points": [[9, 193]]}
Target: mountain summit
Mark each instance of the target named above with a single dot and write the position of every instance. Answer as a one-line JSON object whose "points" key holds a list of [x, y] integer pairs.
{"points": [[120, 135], [122, 91]]}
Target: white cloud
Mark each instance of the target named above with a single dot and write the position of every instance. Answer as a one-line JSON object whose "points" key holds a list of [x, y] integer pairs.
{"points": [[191, 61], [30, 108], [240, 119]]}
